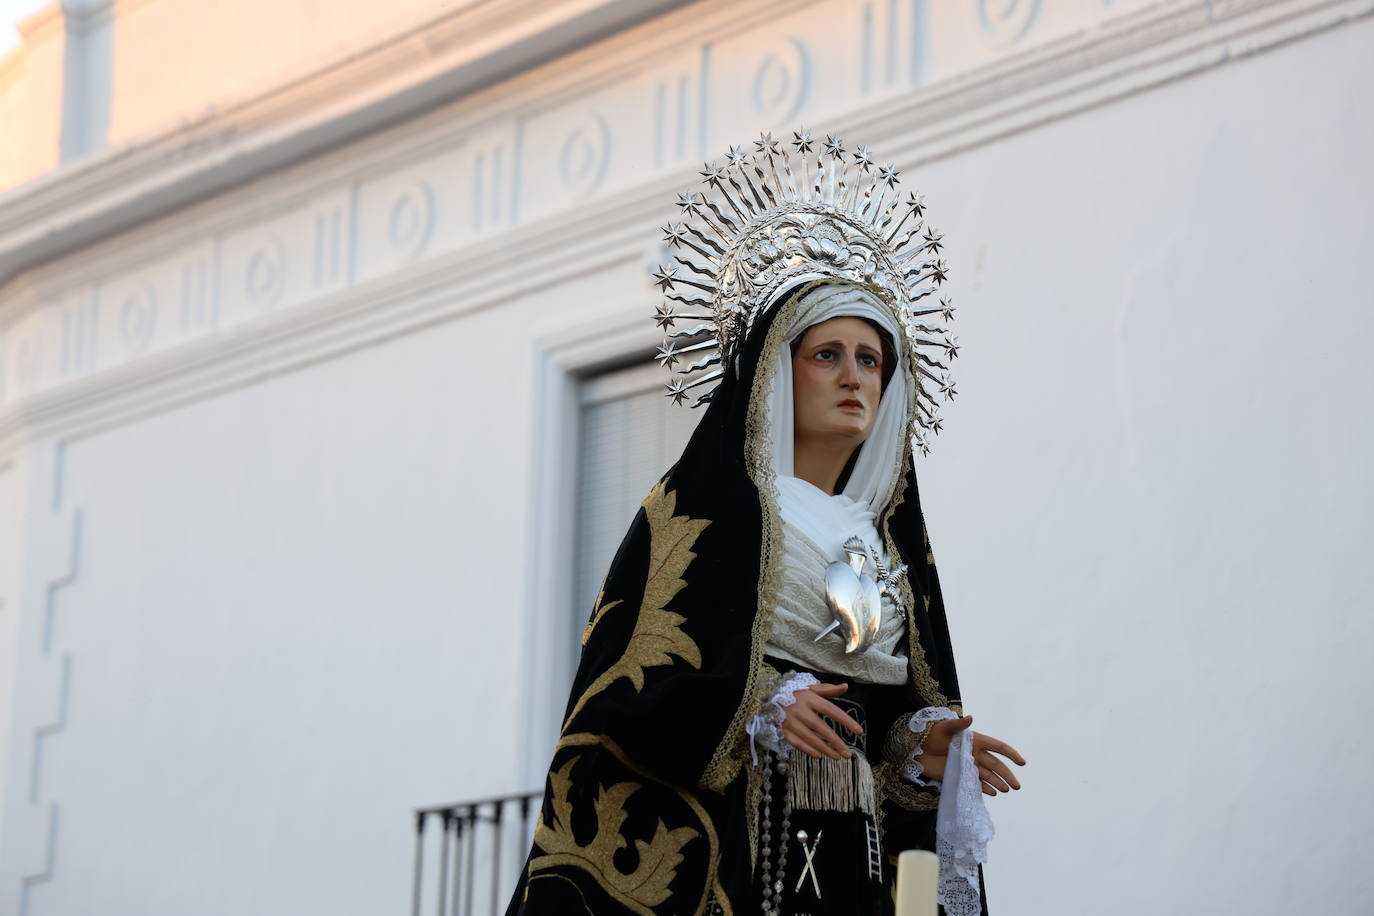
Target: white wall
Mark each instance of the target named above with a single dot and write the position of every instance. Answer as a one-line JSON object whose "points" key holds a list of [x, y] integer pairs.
{"points": [[281, 637], [1153, 502], [11, 565], [323, 573]]}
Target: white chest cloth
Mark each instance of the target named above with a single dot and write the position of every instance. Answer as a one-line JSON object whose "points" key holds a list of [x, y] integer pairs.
{"points": [[815, 527]]}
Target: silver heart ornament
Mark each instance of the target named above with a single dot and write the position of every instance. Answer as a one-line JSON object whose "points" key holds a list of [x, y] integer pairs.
{"points": [[853, 598]]}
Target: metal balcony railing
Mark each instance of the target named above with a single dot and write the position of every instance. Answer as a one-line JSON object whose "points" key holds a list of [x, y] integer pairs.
{"points": [[480, 846], [478, 849]]}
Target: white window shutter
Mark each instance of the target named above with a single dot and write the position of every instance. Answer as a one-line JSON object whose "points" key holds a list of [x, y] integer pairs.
{"points": [[630, 434]]}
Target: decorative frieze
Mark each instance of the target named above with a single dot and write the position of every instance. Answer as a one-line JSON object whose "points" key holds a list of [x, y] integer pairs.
{"points": [[595, 127]]}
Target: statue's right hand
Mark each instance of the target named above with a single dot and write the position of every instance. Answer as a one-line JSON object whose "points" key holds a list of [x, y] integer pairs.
{"points": [[804, 728]]}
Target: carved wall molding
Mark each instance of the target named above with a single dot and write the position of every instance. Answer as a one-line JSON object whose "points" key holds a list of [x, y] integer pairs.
{"points": [[45, 659], [415, 226]]}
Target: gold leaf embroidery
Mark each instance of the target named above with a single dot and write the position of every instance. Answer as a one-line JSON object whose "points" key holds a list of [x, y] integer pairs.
{"points": [[584, 739], [640, 890], [657, 635], [600, 612], [891, 787]]}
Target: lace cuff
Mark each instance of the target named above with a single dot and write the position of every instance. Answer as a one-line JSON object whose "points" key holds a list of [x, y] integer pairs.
{"points": [[962, 825], [920, 725], [765, 728]]}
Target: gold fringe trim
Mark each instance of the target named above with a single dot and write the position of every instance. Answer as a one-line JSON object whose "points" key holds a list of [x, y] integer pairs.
{"points": [[921, 675], [733, 750], [826, 784]]}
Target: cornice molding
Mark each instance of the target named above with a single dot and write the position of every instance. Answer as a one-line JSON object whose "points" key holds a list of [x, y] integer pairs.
{"points": [[1093, 67], [483, 277], [446, 59], [45, 19], [1142, 49]]}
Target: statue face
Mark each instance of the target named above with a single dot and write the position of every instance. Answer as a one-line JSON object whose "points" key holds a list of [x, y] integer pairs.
{"points": [[837, 375]]}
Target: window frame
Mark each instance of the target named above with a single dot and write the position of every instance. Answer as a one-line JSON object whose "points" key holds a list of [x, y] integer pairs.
{"points": [[562, 366]]}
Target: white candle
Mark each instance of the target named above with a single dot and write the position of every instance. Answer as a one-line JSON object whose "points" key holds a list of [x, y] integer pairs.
{"points": [[917, 873]]}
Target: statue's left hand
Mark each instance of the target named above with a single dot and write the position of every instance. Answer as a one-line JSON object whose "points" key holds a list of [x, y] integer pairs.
{"points": [[995, 775]]}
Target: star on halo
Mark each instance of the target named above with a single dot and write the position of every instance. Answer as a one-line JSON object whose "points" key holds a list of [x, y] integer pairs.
{"points": [[946, 309], [689, 202], [952, 347], [933, 238], [711, 174], [736, 155], [802, 140], [667, 356], [947, 387], [664, 316], [766, 144], [834, 147], [863, 158], [675, 391], [888, 175], [674, 233], [664, 275]]}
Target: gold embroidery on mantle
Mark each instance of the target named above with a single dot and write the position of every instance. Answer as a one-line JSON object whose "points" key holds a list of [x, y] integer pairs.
{"points": [[554, 876], [893, 788], [902, 743], [658, 633], [585, 739], [641, 890], [600, 612]]}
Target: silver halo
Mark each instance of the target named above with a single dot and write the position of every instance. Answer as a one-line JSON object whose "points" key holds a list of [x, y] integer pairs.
{"points": [[771, 219]]}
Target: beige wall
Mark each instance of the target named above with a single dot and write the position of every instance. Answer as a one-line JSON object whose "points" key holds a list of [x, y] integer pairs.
{"points": [[178, 59], [31, 100], [165, 62]]}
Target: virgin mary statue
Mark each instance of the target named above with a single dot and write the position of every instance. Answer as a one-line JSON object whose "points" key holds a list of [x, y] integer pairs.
{"points": [[766, 710]]}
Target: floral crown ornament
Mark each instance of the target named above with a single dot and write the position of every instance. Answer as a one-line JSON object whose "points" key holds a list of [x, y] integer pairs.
{"points": [[774, 218]]}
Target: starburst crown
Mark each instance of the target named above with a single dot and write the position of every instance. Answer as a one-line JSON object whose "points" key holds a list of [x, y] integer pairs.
{"points": [[772, 218]]}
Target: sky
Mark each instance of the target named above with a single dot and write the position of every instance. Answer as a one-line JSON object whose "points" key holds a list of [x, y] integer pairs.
{"points": [[11, 11]]}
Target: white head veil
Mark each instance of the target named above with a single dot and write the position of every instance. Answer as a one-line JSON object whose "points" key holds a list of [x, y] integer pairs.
{"points": [[875, 472]]}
